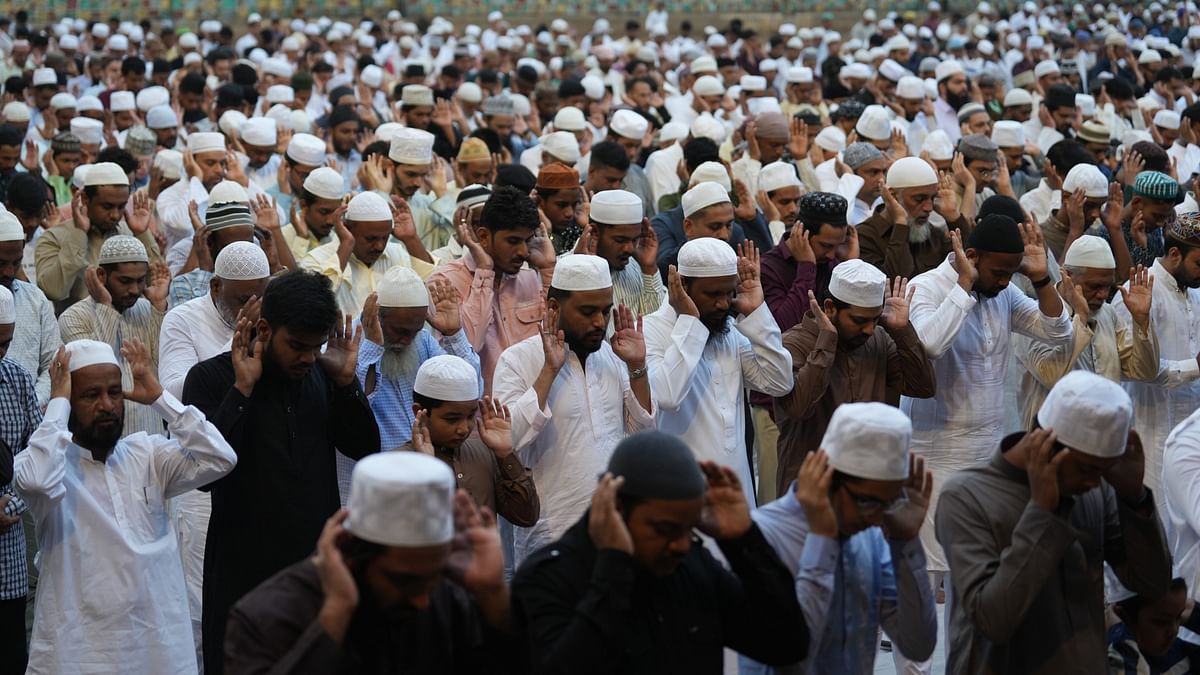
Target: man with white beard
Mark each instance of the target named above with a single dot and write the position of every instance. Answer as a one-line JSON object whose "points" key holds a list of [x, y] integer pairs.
{"points": [[396, 343], [193, 332]]}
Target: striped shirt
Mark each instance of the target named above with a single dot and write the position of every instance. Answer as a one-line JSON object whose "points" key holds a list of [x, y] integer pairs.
{"points": [[37, 337], [20, 414]]}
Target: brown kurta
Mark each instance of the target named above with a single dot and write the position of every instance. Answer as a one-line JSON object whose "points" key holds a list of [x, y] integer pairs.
{"points": [[1054, 233], [888, 365], [886, 246], [504, 487]]}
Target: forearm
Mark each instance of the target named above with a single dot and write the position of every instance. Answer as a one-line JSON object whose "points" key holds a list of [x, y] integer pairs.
{"points": [[39, 471], [355, 431], [811, 378], [516, 495], [913, 626], [541, 386], [416, 248], [1049, 301]]}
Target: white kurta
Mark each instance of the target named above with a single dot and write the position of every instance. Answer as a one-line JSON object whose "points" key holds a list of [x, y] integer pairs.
{"points": [[1181, 491], [111, 596], [968, 339], [568, 443], [1160, 405], [699, 383], [662, 171]]}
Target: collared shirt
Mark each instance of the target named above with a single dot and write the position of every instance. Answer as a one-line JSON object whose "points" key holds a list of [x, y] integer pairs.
{"points": [[300, 246], [699, 380], [569, 442], [64, 251], [432, 216], [496, 317], [1028, 583], [1155, 248], [504, 486], [968, 339], [188, 286], [640, 292], [36, 337], [20, 414], [354, 282], [191, 332], [947, 120], [88, 319], [111, 597], [848, 589]]}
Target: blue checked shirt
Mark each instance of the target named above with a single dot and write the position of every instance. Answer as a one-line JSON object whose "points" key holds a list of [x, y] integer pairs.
{"points": [[188, 286], [392, 400], [20, 414]]}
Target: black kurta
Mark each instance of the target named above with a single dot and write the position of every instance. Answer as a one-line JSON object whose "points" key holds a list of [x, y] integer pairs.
{"points": [[589, 611], [269, 511]]}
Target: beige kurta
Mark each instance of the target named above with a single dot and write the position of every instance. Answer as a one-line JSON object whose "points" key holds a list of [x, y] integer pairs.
{"points": [[63, 252]]}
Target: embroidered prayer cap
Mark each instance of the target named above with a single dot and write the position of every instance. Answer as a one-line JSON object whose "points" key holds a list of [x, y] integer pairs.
{"points": [[616, 207], [88, 130], [1090, 251], [1008, 134], [628, 124], [1088, 177], [561, 145], [10, 227], [106, 173], [858, 283], [777, 175], [579, 272], [412, 146], [827, 208], [241, 261], [707, 257], [711, 172], [1093, 131], [170, 162], [16, 112], [875, 123], [557, 177], [162, 117], [325, 183], [978, 147], [569, 118], [474, 150], [1186, 228], [260, 131], [368, 207], [1156, 185], [121, 248], [152, 97], [416, 95], [84, 353], [909, 172], [8, 307], [657, 465], [65, 141], [403, 499], [1089, 413], [501, 105], [869, 440], [224, 215], [702, 196], [402, 287], [831, 139], [858, 154], [209, 141], [1016, 97], [447, 378]]}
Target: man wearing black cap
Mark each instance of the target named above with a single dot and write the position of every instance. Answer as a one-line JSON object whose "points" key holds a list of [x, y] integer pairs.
{"points": [[630, 589]]}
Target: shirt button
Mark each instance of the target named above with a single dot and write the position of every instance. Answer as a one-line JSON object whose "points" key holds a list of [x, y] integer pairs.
{"points": [[460, 475]]}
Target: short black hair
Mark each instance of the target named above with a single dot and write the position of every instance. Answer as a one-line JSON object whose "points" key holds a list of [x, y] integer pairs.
{"points": [[118, 156], [648, 81], [725, 62], [27, 193], [132, 64], [1167, 74], [1132, 605], [610, 154], [15, 85], [570, 87], [1153, 155], [322, 67], [219, 54], [1119, 88], [509, 209], [376, 148], [300, 301], [699, 151], [452, 71], [192, 83], [526, 73], [1065, 154], [10, 136], [244, 74], [487, 76], [515, 176], [426, 402]]}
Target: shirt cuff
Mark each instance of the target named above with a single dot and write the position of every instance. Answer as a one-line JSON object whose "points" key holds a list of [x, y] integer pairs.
{"points": [[961, 298], [168, 407], [511, 467], [58, 410]]}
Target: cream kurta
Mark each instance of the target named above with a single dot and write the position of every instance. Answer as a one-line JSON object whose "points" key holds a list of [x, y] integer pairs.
{"points": [[352, 284]]}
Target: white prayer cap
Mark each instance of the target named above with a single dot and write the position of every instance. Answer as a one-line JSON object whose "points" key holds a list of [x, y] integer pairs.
{"points": [[1035, 42], [938, 145], [874, 123], [411, 146], [947, 68], [561, 145], [1008, 134], [986, 47], [10, 227], [1091, 414], [106, 173], [45, 76], [120, 248], [909, 172], [672, 131], [579, 272], [767, 66], [1090, 251], [753, 83], [228, 191], [1044, 68], [707, 126], [84, 353], [869, 440], [162, 117], [707, 257], [570, 118], [230, 122], [170, 163], [121, 101], [1089, 178], [368, 207], [704, 64], [799, 74], [855, 71], [469, 92], [711, 172], [417, 95], [89, 103], [892, 70], [446, 377], [831, 139], [306, 149], [1167, 119], [189, 41], [707, 85], [521, 104], [616, 207], [16, 111], [68, 42], [593, 87], [290, 43], [858, 283], [192, 57], [277, 66], [259, 131], [89, 131], [63, 101], [628, 124], [387, 131], [325, 183], [1149, 56], [242, 261], [402, 287], [401, 499], [300, 122], [372, 76], [787, 29], [280, 93], [1086, 104], [100, 30], [152, 97], [8, 307], [774, 176], [910, 87], [209, 141]]}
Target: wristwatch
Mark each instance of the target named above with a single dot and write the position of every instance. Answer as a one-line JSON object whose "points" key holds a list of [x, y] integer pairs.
{"points": [[635, 374]]}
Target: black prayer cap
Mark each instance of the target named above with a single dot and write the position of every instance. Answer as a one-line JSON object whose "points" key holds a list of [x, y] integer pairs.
{"points": [[657, 466], [1002, 205], [517, 176], [1060, 96], [996, 233], [342, 113], [823, 208]]}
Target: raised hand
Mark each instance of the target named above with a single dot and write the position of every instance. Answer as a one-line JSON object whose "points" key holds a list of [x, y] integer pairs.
{"points": [[798, 141], [338, 586], [266, 215], [437, 176], [903, 522], [1041, 465], [628, 343], [421, 441], [60, 374], [554, 341], [30, 160], [1114, 208], [606, 527], [95, 287], [445, 301], [369, 320], [466, 238], [204, 259], [378, 174], [812, 491], [1132, 166], [247, 355], [818, 312], [587, 242], [341, 351], [236, 172], [138, 214], [750, 292], [947, 199], [1127, 474], [967, 273], [752, 142], [798, 244], [146, 388], [962, 176], [1137, 230], [476, 559], [583, 210], [79, 214], [899, 145], [495, 427], [159, 286], [1139, 296], [680, 301], [770, 211], [726, 514], [645, 251], [746, 209], [404, 227], [1034, 265], [1075, 201], [894, 208], [541, 251], [897, 299], [1074, 295]]}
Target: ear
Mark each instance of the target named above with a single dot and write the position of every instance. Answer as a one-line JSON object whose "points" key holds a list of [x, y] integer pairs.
{"points": [[417, 407], [688, 226], [972, 254], [263, 328], [101, 274], [829, 308], [214, 285]]}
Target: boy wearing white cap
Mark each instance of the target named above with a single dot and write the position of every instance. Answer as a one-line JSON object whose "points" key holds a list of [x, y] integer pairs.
{"points": [[699, 367], [100, 505], [1027, 533], [37, 336], [849, 519], [261, 160], [391, 563]]}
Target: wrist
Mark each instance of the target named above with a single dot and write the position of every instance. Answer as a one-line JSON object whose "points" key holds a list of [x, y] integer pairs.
{"points": [[335, 617], [245, 389]]}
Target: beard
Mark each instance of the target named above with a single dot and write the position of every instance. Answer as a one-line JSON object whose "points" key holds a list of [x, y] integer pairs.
{"points": [[227, 313], [957, 101], [400, 363], [718, 323], [585, 344], [918, 233], [97, 437]]}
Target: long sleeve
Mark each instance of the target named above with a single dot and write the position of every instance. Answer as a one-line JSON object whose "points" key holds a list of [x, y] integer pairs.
{"points": [[673, 350], [1049, 362], [808, 174], [61, 254], [195, 455], [324, 260], [766, 365], [1138, 350], [1134, 545], [893, 255], [458, 345], [937, 317], [352, 422], [910, 614], [477, 312], [38, 472], [512, 385], [51, 340], [789, 302], [248, 653], [176, 354], [668, 244], [1027, 319], [214, 395], [516, 495], [811, 368], [998, 584], [909, 366]]}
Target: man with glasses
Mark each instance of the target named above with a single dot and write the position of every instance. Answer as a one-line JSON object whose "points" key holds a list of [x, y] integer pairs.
{"points": [[981, 157]]}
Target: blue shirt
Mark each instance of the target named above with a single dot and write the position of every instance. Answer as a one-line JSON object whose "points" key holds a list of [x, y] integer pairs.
{"points": [[20, 414]]}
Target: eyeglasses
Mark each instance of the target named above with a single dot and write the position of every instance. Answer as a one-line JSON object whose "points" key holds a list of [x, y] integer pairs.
{"points": [[986, 173], [871, 505]]}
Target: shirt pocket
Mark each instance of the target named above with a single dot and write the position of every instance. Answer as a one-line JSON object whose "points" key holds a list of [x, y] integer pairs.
{"points": [[149, 512], [529, 315]]}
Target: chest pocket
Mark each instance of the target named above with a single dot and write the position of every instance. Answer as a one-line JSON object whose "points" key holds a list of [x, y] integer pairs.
{"points": [[530, 313], [148, 512]]}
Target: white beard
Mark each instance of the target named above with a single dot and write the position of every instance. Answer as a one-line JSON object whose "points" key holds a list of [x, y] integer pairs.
{"points": [[918, 234], [400, 364]]}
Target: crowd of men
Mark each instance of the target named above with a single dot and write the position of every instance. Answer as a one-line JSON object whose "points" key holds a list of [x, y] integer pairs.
{"points": [[419, 347]]}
